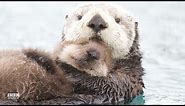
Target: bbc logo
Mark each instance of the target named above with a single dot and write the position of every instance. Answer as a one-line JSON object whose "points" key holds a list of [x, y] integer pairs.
{"points": [[13, 95]]}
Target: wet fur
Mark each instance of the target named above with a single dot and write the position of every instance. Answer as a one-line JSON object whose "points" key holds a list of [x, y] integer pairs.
{"points": [[123, 82]]}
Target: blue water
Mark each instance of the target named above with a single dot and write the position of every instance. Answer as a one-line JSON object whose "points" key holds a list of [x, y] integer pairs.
{"points": [[162, 39]]}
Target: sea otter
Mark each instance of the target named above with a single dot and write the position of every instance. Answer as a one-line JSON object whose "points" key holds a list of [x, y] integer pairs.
{"points": [[37, 75], [118, 30]]}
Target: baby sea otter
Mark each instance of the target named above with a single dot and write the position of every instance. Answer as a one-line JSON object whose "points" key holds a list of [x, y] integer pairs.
{"points": [[38, 75]]}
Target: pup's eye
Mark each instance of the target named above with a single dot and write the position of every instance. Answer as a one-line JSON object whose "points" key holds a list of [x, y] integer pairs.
{"points": [[79, 17], [117, 20]]}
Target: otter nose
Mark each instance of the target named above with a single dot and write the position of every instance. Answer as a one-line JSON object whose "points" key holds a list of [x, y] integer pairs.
{"points": [[93, 54], [97, 23]]}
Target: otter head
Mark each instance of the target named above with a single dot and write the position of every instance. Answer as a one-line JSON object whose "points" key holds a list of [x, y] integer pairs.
{"points": [[90, 57], [101, 22]]}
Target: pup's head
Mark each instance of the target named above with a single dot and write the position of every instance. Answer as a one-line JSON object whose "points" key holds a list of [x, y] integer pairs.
{"points": [[105, 22], [91, 57]]}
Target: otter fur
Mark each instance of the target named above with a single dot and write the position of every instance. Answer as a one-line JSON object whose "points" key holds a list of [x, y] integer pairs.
{"points": [[31, 73]]}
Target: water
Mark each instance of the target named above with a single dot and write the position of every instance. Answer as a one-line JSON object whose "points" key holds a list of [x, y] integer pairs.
{"points": [[161, 25]]}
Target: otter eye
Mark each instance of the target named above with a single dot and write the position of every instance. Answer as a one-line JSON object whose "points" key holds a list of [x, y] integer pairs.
{"points": [[66, 16], [117, 20], [79, 17]]}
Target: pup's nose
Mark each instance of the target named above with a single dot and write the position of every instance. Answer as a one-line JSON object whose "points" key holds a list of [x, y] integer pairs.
{"points": [[93, 54], [97, 23]]}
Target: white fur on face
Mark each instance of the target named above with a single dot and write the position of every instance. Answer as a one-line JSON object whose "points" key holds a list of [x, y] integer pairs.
{"points": [[118, 36]]}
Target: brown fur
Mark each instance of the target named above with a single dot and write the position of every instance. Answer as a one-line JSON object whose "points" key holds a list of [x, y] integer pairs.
{"points": [[28, 72]]}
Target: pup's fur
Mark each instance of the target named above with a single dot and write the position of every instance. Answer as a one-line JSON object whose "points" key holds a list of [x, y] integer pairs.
{"points": [[36, 75], [33, 74]]}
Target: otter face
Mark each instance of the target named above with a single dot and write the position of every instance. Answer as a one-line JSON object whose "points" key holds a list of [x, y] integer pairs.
{"points": [[92, 58], [105, 22]]}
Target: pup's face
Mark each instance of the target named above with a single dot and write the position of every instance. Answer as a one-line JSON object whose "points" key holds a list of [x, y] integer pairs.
{"points": [[93, 58], [110, 24]]}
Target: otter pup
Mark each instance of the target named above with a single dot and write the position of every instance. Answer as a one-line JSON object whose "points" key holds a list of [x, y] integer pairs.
{"points": [[37, 75]]}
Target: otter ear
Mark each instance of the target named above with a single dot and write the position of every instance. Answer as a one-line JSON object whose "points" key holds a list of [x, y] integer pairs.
{"points": [[136, 24], [136, 30]]}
